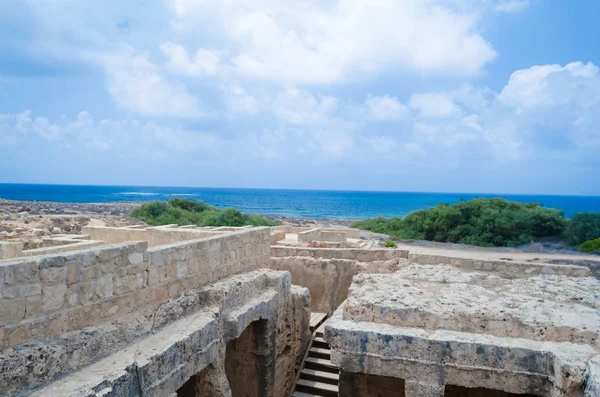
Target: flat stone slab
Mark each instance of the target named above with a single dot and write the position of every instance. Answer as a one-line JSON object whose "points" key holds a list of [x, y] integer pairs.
{"points": [[543, 308], [438, 325]]}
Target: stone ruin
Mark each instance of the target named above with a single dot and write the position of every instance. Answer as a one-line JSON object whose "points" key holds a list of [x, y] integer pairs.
{"points": [[186, 311]]}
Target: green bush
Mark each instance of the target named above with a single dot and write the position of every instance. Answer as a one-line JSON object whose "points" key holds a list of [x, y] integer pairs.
{"points": [[188, 212], [483, 222], [582, 227], [389, 243], [590, 246], [190, 205]]}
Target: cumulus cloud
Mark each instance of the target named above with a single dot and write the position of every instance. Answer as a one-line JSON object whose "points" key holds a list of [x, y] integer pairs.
{"points": [[324, 42], [544, 110], [552, 85], [384, 108], [203, 63], [25, 123], [239, 101], [433, 105], [136, 84], [297, 106]]}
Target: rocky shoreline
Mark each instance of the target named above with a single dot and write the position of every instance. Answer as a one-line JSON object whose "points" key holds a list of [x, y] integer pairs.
{"points": [[31, 220], [123, 208]]}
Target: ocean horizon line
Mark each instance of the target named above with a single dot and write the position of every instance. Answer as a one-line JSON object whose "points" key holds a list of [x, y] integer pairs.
{"points": [[301, 189]]}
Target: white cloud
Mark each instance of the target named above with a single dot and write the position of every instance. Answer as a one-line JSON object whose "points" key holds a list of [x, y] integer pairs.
{"points": [[384, 108], [203, 63], [330, 142], [542, 111], [239, 101], [551, 85], [296, 106], [324, 42], [433, 105], [41, 126], [512, 5], [136, 84], [127, 136]]}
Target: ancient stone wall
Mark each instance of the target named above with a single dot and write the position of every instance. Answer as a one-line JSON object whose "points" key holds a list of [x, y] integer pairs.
{"points": [[358, 254], [160, 235], [48, 295], [328, 234], [328, 280], [258, 312], [66, 246], [10, 250]]}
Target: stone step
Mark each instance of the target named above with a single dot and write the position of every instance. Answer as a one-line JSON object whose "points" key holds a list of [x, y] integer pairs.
{"points": [[316, 319], [320, 344], [319, 388], [300, 394], [319, 352], [320, 364], [320, 376]]}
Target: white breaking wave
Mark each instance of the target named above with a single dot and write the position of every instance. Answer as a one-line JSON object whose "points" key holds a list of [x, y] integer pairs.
{"points": [[138, 194]]}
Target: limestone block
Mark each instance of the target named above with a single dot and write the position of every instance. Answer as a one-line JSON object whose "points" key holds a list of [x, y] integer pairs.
{"points": [[136, 258], [58, 325], [53, 297], [592, 387], [24, 272], [85, 316], [53, 275], [423, 389], [3, 340], [159, 294], [12, 311], [182, 269], [34, 307], [73, 272], [18, 335], [10, 250], [103, 287]]}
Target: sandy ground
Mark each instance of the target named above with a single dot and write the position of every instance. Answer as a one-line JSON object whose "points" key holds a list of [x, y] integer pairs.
{"points": [[492, 254]]}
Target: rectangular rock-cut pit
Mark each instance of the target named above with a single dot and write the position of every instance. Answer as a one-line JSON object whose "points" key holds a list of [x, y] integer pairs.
{"points": [[437, 326]]}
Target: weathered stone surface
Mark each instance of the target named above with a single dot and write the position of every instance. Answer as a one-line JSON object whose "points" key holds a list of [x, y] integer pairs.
{"points": [[435, 325], [136, 258], [329, 279], [53, 275], [53, 297], [191, 345]]}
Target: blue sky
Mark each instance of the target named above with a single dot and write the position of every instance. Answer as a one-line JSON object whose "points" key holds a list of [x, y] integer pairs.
{"points": [[409, 95]]}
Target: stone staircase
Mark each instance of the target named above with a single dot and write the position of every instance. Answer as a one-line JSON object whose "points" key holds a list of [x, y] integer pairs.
{"points": [[317, 375]]}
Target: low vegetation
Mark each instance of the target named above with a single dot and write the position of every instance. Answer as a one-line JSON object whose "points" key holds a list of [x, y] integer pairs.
{"points": [[188, 212], [389, 243], [582, 227], [484, 222], [591, 246]]}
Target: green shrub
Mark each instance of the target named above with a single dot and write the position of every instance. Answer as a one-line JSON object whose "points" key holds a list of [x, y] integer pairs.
{"points": [[188, 212], [389, 243], [190, 205], [590, 246], [228, 217], [582, 227], [483, 222]]}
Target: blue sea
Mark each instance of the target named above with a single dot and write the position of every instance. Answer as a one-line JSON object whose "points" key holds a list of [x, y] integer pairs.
{"points": [[292, 203]]}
